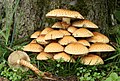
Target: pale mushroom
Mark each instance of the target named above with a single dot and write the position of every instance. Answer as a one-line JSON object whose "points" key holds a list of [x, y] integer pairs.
{"points": [[82, 32], [84, 23], [101, 47], [19, 59], [54, 35], [84, 42], [41, 40], [76, 49], [44, 56], [72, 29], [35, 34], [91, 59], [33, 47], [67, 40], [54, 47], [63, 56], [98, 37], [46, 30], [64, 14]]}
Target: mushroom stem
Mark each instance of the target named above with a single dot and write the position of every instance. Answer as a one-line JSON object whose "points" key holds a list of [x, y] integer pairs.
{"points": [[36, 70], [67, 20]]}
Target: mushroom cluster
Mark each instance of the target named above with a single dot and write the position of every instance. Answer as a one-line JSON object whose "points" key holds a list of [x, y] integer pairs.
{"points": [[67, 40]]}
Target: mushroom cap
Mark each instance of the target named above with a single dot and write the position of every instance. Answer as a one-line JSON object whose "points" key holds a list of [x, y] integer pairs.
{"points": [[63, 56], [54, 35], [66, 40], [33, 41], [14, 57], [82, 32], [62, 25], [72, 29], [91, 59], [46, 30], [65, 32], [33, 47], [84, 42], [60, 13], [100, 47], [84, 23], [76, 49], [65, 25], [44, 56], [41, 40], [98, 37], [35, 34], [57, 25], [54, 47]]}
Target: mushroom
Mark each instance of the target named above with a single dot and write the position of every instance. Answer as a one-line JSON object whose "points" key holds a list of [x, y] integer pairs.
{"points": [[41, 40], [35, 34], [19, 59], [46, 30], [63, 56], [54, 47], [66, 40], [54, 35], [84, 42], [33, 41], [76, 49], [44, 56], [72, 29], [64, 14], [33, 47], [84, 23], [98, 37], [65, 32], [100, 47], [82, 32], [57, 25], [61, 25], [91, 59]]}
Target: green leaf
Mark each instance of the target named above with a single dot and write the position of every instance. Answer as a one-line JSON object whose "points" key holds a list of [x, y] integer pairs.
{"points": [[114, 76], [118, 79], [109, 79]]}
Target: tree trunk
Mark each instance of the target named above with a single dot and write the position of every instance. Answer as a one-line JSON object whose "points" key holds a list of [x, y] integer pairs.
{"points": [[30, 14]]}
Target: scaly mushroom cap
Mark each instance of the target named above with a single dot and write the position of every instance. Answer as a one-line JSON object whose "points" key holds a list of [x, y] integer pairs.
{"points": [[57, 25], [54, 35], [35, 34], [14, 57], [82, 32], [84, 23], [46, 30], [66, 40], [98, 37], [41, 40], [76, 49], [71, 29], [91, 59], [60, 13], [65, 32], [54, 47], [44, 56], [63, 56], [84, 42], [33, 47], [100, 47]]}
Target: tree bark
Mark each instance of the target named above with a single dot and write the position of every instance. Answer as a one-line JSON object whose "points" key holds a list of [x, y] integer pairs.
{"points": [[30, 14]]}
